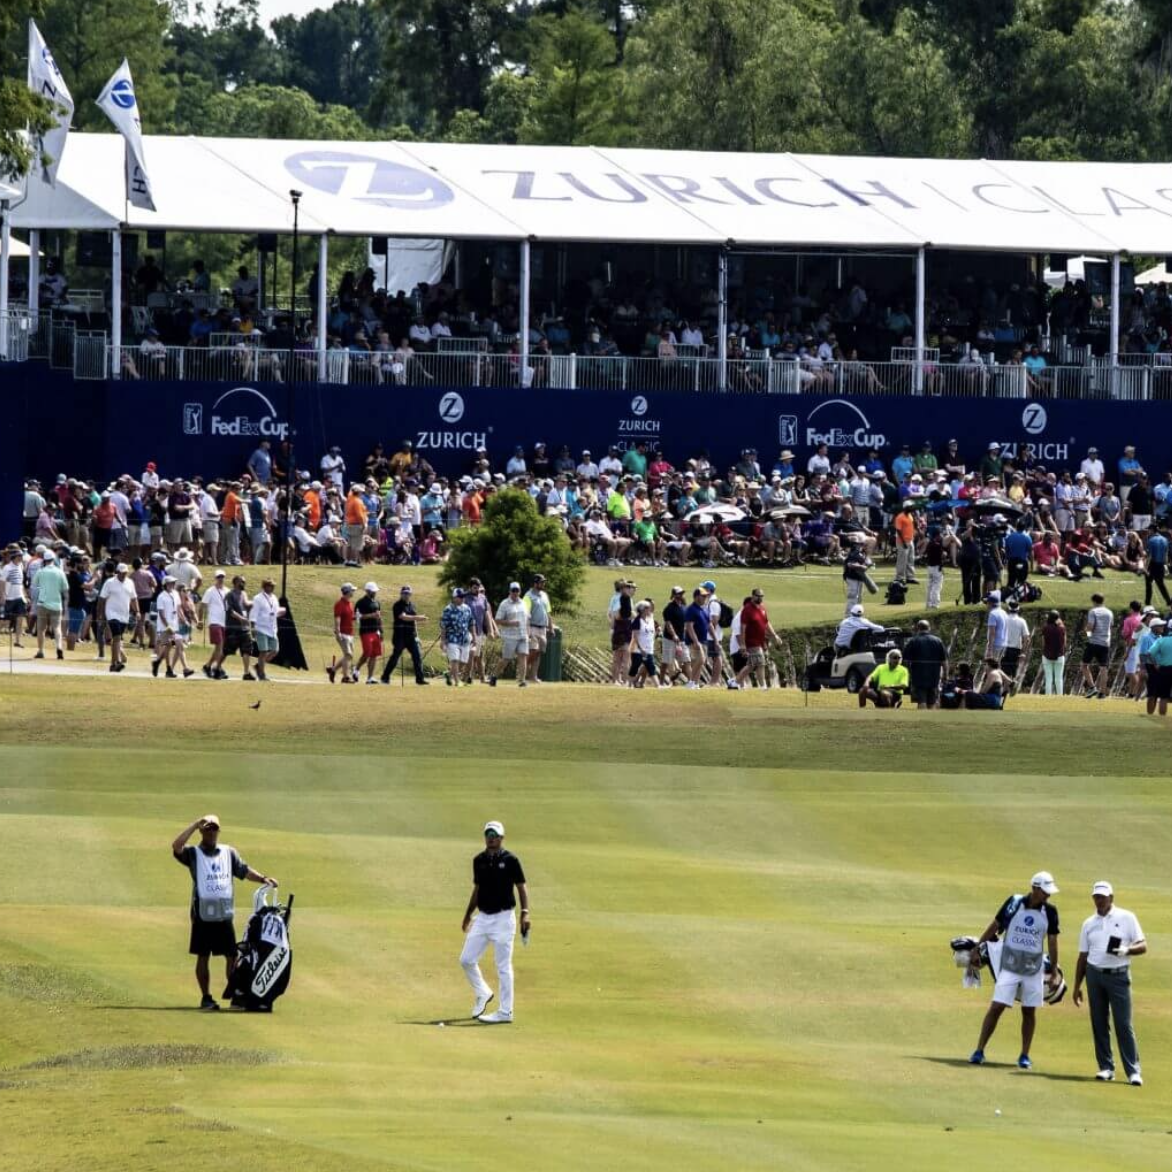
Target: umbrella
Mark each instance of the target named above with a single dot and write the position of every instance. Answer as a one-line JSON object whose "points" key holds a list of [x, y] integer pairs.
{"points": [[783, 511], [996, 504], [717, 513]]}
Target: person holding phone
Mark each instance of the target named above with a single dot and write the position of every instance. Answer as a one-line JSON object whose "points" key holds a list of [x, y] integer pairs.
{"points": [[213, 866], [1106, 944]]}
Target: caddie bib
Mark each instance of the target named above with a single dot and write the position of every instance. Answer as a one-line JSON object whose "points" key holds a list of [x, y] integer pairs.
{"points": [[1024, 941], [213, 884]]}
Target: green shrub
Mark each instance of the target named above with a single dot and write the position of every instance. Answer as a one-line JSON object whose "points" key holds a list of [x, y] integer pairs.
{"points": [[511, 544]]}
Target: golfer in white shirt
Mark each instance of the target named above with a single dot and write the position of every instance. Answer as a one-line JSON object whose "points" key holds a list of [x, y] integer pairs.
{"points": [[1106, 944], [263, 614], [116, 603], [166, 628]]}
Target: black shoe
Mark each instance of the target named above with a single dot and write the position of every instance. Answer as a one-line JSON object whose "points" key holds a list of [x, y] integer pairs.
{"points": [[1091, 694], [423, 683], [39, 655], [492, 681], [112, 668], [221, 675], [208, 1004], [60, 653], [155, 667], [331, 672], [171, 675], [188, 672], [207, 671], [1096, 574], [248, 676]]}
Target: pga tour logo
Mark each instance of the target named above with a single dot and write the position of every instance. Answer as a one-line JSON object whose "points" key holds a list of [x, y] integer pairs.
{"points": [[369, 179], [241, 422]]}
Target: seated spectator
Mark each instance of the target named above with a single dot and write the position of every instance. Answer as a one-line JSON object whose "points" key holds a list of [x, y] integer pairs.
{"points": [[994, 688], [887, 684], [955, 691]]}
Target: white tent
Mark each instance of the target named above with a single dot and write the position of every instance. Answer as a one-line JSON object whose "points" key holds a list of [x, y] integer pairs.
{"points": [[458, 191]]}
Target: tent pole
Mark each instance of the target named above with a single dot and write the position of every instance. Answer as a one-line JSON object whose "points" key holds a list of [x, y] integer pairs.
{"points": [[524, 323], [116, 302], [5, 241], [1113, 349], [921, 297], [34, 270], [722, 316], [323, 261]]}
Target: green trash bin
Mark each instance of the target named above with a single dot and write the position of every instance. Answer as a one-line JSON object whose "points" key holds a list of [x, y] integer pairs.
{"points": [[550, 667]]}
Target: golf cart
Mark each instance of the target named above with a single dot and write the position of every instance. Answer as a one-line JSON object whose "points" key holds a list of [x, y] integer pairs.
{"points": [[837, 667]]}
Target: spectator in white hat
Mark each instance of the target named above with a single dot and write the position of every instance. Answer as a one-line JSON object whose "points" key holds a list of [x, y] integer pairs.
{"points": [[116, 603], [512, 619], [1106, 944], [50, 586]]}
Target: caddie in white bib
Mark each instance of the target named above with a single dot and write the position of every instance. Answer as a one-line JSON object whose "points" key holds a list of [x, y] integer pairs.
{"points": [[213, 884]]}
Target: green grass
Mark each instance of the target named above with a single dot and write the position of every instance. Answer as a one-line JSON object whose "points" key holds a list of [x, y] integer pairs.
{"points": [[742, 908]]}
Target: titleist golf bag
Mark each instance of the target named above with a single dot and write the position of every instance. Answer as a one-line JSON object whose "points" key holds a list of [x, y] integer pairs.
{"points": [[264, 958]]}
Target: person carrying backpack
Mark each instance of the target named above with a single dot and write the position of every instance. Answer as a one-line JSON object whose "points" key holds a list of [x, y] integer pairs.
{"points": [[720, 618]]}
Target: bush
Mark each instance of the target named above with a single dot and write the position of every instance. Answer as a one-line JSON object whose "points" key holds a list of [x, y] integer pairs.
{"points": [[511, 544]]}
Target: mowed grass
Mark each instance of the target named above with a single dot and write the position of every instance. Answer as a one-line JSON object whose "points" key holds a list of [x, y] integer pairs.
{"points": [[742, 909]]}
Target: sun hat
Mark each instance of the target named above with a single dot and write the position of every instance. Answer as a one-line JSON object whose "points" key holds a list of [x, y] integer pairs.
{"points": [[1045, 881]]}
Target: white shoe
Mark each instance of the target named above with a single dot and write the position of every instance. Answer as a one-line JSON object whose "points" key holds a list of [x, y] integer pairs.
{"points": [[482, 1003], [692, 685], [498, 1018], [1136, 1080], [1106, 1075]]}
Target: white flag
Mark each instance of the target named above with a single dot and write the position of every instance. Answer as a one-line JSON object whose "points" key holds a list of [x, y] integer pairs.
{"points": [[119, 104], [44, 78]]}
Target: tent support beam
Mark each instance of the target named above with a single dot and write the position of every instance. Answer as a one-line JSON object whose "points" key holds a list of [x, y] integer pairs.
{"points": [[524, 323], [921, 299], [5, 251], [722, 315], [116, 303], [1114, 347], [323, 261], [34, 270]]}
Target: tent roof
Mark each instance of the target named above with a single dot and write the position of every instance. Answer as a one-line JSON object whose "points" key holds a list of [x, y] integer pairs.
{"points": [[459, 191]]}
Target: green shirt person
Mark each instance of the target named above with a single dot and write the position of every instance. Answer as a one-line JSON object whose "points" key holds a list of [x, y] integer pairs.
{"points": [[635, 461]]}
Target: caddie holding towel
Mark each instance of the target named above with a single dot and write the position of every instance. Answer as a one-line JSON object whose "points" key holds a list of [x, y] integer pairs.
{"points": [[213, 868], [1028, 927]]}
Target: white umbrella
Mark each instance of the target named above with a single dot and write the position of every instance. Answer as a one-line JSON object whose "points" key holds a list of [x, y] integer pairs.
{"points": [[717, 513], [784, 511]]}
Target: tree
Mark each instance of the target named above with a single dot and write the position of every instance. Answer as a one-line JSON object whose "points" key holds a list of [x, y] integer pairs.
{"points": [[89, 38], [512, 544], [271, 111]]}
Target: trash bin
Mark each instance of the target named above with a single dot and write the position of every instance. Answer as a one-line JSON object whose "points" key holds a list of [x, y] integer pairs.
{"points": [[550, 667]]}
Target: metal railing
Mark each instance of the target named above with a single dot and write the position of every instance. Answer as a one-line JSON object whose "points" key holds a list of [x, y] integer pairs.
{"points": [[14, 337]]}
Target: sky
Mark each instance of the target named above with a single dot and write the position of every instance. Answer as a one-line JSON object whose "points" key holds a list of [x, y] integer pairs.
{"points": [[273, 8]]}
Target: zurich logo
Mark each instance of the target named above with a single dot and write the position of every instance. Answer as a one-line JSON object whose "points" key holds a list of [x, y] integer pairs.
{"points": [[122, 95], [1028, 921], [369, 180], [451, 407], [47, 57], [1033, 419], [639, 405]]}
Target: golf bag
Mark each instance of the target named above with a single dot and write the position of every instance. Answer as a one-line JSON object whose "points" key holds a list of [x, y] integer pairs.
{"points": [[264, 958], [1026, 592], [989, 956], [896, 593]]}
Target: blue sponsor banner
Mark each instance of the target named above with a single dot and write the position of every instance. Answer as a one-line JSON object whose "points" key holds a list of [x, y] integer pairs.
{"points": [[104, 429]]}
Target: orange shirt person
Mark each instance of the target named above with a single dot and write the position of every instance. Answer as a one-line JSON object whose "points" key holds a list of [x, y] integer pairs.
{"points": [[905, 543], [355, 525]]}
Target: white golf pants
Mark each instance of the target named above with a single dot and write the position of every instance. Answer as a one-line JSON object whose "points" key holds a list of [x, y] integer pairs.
{"points": [[935, 586], [498, 930]]}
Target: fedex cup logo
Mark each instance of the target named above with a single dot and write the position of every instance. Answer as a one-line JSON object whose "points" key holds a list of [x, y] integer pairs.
{"points": [[239, 420], [122, 94], [369, 179], [854, 432]]}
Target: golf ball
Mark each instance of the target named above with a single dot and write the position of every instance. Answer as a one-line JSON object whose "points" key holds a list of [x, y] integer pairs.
{"points": [[441, 1026], [998, 1111]]}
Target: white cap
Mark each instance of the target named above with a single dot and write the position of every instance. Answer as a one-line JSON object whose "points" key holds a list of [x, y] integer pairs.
{"points": [[857, 609], [1102, 888], [496, 827], [121, 568], [371, 588], [1045, 881]]}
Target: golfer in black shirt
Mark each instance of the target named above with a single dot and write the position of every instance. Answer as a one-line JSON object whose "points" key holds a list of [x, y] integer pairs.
{"points": [[404, 636], [495, 873]]}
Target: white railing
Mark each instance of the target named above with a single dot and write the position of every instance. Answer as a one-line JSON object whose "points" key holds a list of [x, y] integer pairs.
{"points": [[15, 328]]}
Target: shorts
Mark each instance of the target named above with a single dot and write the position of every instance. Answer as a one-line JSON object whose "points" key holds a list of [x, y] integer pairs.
{"points": [[212, 939], [216, 635], [47, 616], [211, 532], [927, 696], [346, 643], [15, 608], [1010, 986], [164, 639], [117, 540], [537, 639], [619, 639], [739, 661], [372, 644], [1160, 683], [1131, 663], [355, 534], [755, 657], [117, 627], [674, 651], [1094, 653], [266, 642], [457, 652], [990, 570], [712, 649], [179, 532], [76, 619], [236, 639], [512, 646], [156, 532]]}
